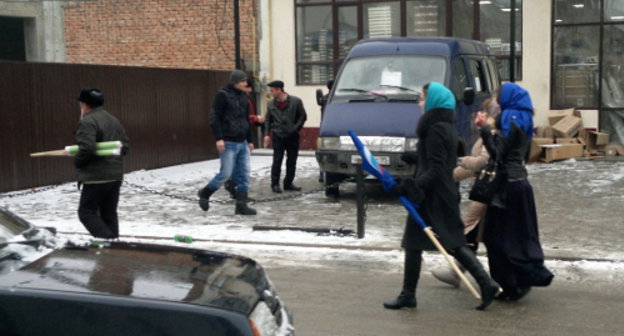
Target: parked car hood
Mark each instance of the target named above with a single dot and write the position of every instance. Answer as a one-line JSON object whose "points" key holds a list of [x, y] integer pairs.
{"points": [[168, 273], [371, 119]]}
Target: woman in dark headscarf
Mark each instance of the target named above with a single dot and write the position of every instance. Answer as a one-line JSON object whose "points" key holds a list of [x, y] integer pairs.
{"points": [[434, 189], [511, 234]]}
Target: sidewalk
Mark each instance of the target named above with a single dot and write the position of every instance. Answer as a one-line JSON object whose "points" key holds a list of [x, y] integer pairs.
{"points": [[579, 206]]}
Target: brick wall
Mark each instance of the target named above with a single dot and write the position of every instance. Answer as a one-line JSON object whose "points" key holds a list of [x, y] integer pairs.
{"points": [[191, 34]]}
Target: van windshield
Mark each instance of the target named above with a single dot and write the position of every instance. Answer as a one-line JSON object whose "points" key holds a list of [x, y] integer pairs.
{"points": [[388, 78]]}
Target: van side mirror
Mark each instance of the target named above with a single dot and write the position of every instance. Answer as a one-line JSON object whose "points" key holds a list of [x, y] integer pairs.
{"points": [[330, 84], [469, 96], [320, 97]]}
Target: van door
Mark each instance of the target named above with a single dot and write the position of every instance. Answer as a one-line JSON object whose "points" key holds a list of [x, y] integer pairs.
{"points": [[474, 72]]}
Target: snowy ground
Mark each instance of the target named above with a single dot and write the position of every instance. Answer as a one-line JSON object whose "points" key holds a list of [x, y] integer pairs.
{"points": [[579, 204]]}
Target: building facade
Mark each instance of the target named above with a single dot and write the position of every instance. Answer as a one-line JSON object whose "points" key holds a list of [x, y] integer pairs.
{"points": [[567, 52]]}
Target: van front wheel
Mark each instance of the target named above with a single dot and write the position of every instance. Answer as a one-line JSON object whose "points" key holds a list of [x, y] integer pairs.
{"points": [[332, 189]]}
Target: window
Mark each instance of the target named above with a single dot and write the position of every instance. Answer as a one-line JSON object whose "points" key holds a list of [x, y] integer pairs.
{"points": [[588, 41], [494, 29], [12, 39], [328, 29], [460, 79]]}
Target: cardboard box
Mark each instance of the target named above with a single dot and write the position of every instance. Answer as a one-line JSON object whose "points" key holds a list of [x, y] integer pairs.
{"points": [[568, 127], [561, 151], [595, 139], [554, 116], [566, 140], [544, 132], [537, 152]]}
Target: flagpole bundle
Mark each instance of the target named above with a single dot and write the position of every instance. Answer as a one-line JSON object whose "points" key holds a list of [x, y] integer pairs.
{"points": [[369, 163], [105, 148]]}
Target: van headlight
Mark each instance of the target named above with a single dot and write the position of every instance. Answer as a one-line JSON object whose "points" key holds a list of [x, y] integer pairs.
{"points": [[411, 144], [329, 143]]}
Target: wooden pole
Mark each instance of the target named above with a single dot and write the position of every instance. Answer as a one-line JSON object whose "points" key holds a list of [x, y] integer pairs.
{"points": [[451, 262]]}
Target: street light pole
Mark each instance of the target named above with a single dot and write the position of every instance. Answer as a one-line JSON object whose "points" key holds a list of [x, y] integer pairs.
{"points": [[512, 42], [237, 58]]}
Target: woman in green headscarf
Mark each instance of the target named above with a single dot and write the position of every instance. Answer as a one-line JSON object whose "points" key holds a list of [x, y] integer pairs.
{"points": [[434, 189]]}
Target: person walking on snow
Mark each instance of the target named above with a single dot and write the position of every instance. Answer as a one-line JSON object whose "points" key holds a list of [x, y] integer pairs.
{"points": [[100, 176], [434, 189], [285, 118], [511, 233], [229, 120], [469, 165]]}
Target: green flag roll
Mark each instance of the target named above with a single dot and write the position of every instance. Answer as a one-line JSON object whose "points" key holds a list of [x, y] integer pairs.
{"points": [[105, 148]]}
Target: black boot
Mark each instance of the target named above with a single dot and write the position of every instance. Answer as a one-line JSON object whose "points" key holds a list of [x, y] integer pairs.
{"points": [[241, 204], [230, 186], [404, 300], [204, 197], [489, 288], [411, 273]]}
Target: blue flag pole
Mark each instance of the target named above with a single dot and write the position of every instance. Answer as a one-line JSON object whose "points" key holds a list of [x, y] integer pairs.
{"points": [[370, 165]]}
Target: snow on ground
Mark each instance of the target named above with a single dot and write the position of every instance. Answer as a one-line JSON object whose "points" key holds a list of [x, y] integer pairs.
{"points": [[155, 218]]}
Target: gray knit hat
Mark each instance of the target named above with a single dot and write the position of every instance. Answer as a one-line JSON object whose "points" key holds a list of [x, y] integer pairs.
{"points": [[237, 76]]}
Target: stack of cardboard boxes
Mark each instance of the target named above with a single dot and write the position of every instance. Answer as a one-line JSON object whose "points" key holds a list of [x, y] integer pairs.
{"points": [[566, 138]]}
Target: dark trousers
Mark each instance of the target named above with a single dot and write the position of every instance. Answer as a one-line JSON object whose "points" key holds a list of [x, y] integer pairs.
{"points": [[290, 145], [98, 209]]}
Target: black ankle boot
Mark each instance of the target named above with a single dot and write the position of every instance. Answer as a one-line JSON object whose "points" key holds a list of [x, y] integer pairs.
{"points": [[204, 198], [230, 186], [241, 204], [404, 300], [489, 288]]}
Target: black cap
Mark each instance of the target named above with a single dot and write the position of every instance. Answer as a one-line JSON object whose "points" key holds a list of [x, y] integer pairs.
{"points": [[276, 84], [91, 97]]}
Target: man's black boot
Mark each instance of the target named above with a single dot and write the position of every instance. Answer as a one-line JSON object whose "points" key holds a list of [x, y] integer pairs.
{"points": [[291, 187], [230, 186], [489, 288], [204, 198], [276, 188], [241, 204]]}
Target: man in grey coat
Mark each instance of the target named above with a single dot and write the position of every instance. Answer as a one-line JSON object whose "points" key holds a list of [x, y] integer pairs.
{"points": [[285, 118], [100, 176]]}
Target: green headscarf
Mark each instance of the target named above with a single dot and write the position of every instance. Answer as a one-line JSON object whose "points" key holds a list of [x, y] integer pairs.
{"points": [[438, 96]]}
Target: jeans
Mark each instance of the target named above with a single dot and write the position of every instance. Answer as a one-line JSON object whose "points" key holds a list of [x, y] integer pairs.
{"points": [[98, 209], [234, 165]]}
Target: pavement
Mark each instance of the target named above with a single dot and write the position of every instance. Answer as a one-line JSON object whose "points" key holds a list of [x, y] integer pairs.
{"points": [[335, 285]]}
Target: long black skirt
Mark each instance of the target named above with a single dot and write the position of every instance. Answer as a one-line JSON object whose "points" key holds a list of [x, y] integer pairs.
{"points": [[511, 236]]}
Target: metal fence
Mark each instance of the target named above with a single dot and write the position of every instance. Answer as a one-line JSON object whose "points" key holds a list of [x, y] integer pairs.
{"points": [[164, 111]]}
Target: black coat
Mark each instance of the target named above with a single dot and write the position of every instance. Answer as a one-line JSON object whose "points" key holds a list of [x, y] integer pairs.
{"points": [[229, 117], [285, 122], [97, 126], [437, 157]]}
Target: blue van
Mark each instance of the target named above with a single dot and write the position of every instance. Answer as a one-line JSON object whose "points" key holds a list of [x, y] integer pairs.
{"points": [[377, 93]]}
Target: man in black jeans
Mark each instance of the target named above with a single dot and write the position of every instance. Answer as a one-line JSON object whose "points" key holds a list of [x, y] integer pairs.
{"points": [[285, 118], [100, 176]]}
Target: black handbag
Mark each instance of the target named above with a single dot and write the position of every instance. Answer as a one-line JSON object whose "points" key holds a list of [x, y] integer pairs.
{"points": [[487, 183]]}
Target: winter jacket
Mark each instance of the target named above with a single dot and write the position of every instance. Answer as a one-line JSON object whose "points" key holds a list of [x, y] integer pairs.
{"points": [[229, 117], [285, 122], [510, 144], [97, 126], [478, 158], [437, 157]]}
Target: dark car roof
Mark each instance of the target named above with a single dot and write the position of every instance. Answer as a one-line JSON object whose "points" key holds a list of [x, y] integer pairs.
{"points": [[146, 271], [422, 46]]}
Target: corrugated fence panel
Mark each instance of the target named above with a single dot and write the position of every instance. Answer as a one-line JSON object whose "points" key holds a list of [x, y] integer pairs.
{"points": [[164, 111]]}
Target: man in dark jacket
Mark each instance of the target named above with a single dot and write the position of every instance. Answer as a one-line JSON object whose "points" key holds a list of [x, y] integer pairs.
{"points": [[285, 118], [101, 176], [229, 120]]}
